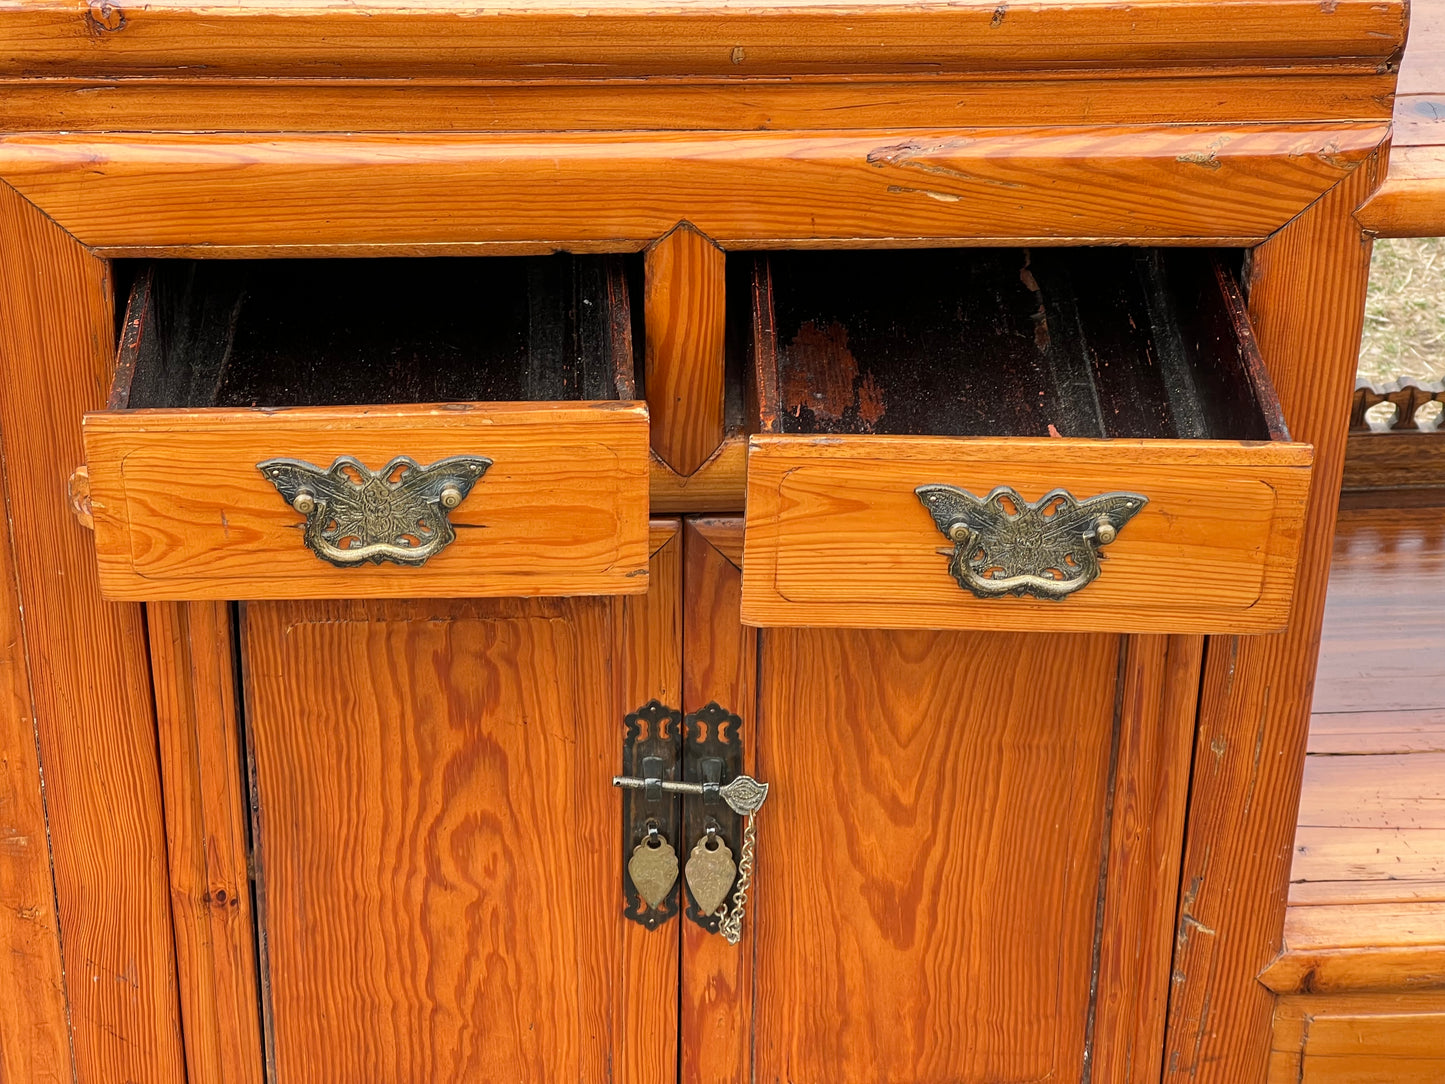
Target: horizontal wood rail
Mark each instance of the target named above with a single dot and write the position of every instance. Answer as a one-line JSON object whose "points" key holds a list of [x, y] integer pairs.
{"points": [[550, 39], [222, 195], [1403, 452]]}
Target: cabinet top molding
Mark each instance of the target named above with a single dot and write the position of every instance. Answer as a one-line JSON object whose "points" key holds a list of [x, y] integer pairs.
{"points": [[567, 39]]}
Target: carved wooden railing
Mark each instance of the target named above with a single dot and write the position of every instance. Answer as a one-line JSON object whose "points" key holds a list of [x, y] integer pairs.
{"points": [[1379, 467], [1407, 399]]}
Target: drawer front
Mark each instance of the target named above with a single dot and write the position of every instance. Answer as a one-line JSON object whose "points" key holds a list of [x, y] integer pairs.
{"points": [[182, 510], [837, 535]]}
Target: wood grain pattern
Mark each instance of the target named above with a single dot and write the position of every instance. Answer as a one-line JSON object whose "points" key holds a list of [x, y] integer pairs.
{"points": [[437, 839], [1411, 202], [719, 485], [1307, 303], [644, 38], [946, 793], [721, 664], [1408, 461], [181, 512], [837, 536], [34, 1030], [1148, 797], [206, 840], [1331, 948], [1359, 1039], [90, 679], [1374, 792], [1367, 882], [684, 305], [1176, 184], [645, 1041], [1403, 731], [416, 103], [1380, 641]]}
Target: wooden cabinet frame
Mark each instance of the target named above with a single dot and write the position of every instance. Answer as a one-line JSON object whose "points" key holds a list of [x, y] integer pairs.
{"points": [[138, 883]]}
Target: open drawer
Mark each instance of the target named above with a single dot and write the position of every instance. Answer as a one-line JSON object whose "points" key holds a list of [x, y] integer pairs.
{"points": [[1070, 440], [372, 428]]}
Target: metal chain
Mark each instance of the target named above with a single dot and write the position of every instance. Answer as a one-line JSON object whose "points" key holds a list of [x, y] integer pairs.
{"points": [[731, 925]]}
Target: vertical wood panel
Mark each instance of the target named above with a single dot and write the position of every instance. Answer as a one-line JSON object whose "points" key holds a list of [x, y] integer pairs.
{"points": [[437, 839], [34, 1033], [1307, 288], [929, 858], [685, 298], [646, 1045], [1157, 709], [206, 812], [721, 665], [88, 665]]}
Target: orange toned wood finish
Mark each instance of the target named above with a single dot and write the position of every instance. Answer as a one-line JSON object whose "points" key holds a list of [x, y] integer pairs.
{"points": [[645, 1044], [381, 38], [685, 295], [221, 195], [1149, 793], [206, 839], [927, 908], [1367, 884], [1359, 1040], [718, 989], [410, 103], [837, 536], [34, 1031], [1411, 202], [719, 485], [90, 681], [181, 512], [438, 839], [1254, 702]]}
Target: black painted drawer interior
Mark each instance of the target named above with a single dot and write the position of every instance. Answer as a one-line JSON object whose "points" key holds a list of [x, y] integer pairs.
{"points": [[283, 333], [1101, 342]]}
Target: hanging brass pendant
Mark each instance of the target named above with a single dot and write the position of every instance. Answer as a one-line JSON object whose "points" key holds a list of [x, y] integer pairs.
{"points": [[653, 869], [710, 873]]}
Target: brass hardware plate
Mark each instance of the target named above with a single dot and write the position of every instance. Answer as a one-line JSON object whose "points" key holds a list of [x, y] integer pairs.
{"points": [[355, 515], [1005, 545], [720, 803], [651, 745]]}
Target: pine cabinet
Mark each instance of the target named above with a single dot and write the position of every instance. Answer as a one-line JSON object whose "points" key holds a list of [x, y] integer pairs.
{"points": [[415, 420]]}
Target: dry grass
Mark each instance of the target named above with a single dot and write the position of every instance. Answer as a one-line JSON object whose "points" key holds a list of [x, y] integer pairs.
{"points": [[1405, 311]]}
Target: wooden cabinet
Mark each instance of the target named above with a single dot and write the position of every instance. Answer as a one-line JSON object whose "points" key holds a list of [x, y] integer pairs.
{"points": [[436, 843], [715, 293]]}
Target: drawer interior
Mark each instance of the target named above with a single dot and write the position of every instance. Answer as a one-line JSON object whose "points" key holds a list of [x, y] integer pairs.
{"points": [[288, 333], [1092, 343]]}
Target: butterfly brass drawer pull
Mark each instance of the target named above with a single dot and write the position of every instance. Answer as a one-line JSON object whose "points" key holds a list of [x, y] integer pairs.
{"points": [[1005, 545], [354, 515]]}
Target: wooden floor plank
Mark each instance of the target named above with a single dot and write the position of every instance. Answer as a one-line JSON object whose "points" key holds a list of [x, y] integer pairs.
{"points": [[1380, 648], [1367, 892], [1366, 856], [1374, 792], [1366, 732]]}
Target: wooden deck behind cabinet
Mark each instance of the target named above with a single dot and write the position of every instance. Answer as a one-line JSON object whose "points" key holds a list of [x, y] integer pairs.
{"points": [[1364, 959]]}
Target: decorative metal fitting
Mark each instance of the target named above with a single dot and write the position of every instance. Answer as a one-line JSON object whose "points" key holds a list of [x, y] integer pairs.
{"points": [[354, 515], [1004, 545]]}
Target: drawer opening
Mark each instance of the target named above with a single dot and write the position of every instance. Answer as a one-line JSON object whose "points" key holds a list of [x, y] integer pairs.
{"points": [[289, 333], [388, 428], [1088, 343]]}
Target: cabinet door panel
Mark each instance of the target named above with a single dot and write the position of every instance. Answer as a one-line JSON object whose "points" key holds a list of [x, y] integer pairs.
{"points": [[437, 839], [930, 854]]}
